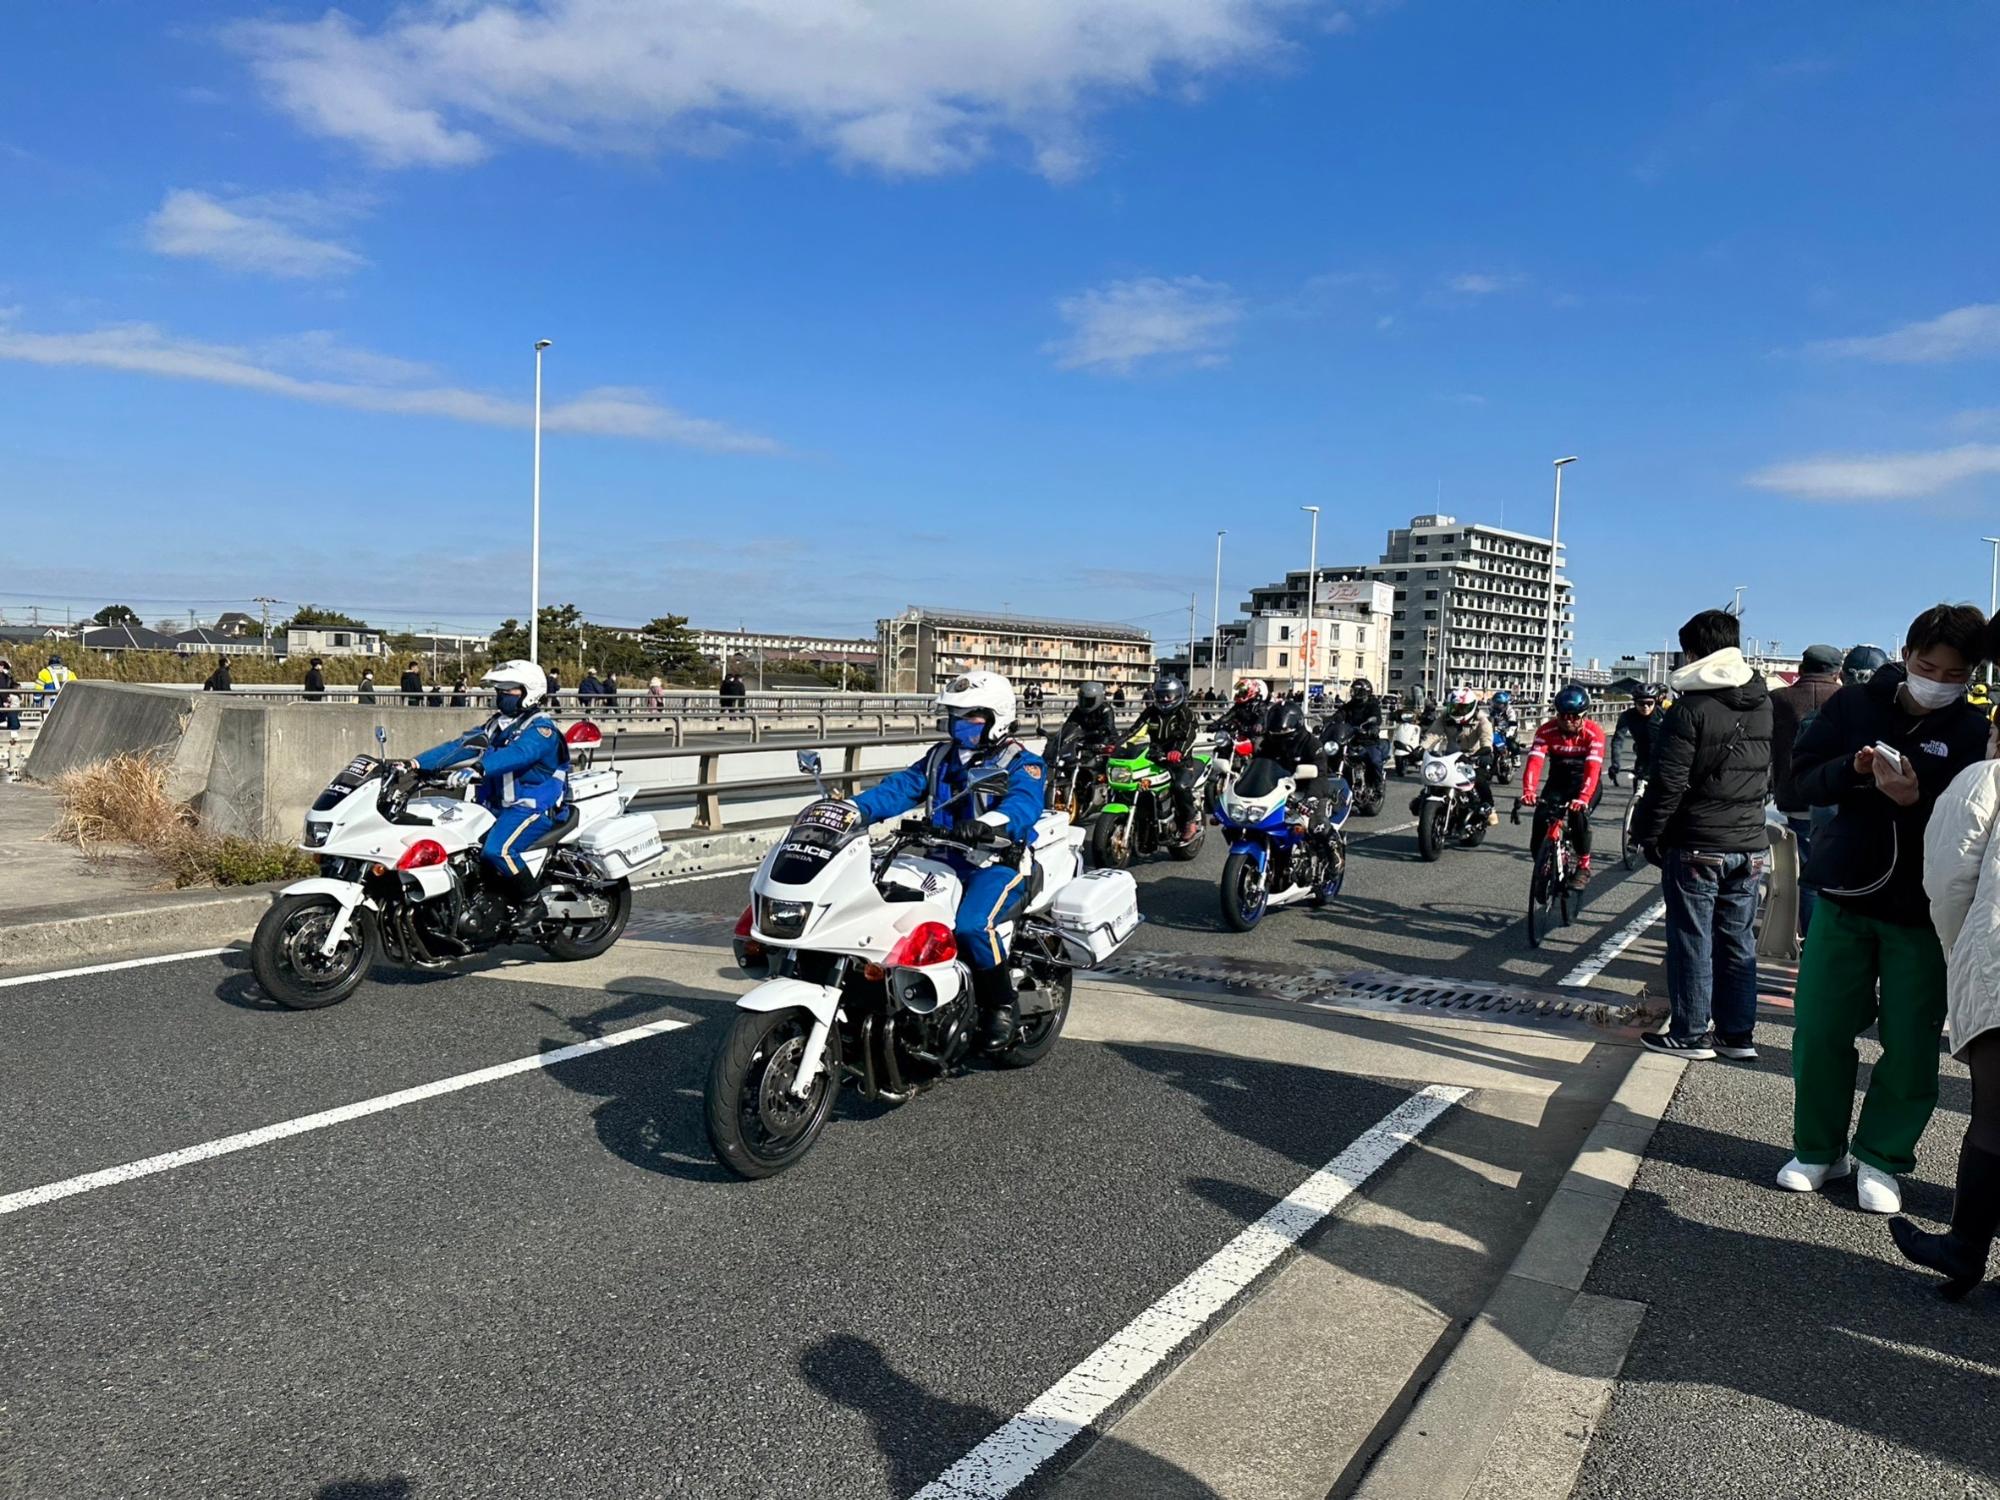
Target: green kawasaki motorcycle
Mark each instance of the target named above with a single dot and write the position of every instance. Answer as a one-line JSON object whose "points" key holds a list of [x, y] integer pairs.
{"points": [[1137, 818]]}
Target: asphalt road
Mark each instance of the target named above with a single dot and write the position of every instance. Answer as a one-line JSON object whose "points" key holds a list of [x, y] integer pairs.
{"points": [[1461, 917], [541, 1284]]}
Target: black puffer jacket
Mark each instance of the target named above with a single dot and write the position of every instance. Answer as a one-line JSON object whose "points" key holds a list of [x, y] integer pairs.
{"points": [[1870, 858], [1711, 762]]}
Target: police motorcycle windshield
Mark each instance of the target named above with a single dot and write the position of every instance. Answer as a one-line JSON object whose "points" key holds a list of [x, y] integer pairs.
{"points": [[351, 776], [818, 833]]}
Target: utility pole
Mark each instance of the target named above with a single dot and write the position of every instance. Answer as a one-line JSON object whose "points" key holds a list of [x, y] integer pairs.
{"points": [[535, 533], [1190, 671], [267, 601], [1215, 621], [434, 650], [1555, 551], [1312, 587], [1993, 598]]}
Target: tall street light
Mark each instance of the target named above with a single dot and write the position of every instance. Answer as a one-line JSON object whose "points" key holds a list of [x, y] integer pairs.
{"points": [[1312, 585], [535, 535], [1215, 620], [1555, 543], [1993, 599]]}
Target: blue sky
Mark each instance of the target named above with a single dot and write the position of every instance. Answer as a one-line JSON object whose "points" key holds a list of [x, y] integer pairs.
{"points": [[860, 304]]}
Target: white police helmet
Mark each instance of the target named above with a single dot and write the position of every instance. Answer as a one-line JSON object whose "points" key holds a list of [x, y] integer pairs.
{"points": [[529, 678], [970, 692]]}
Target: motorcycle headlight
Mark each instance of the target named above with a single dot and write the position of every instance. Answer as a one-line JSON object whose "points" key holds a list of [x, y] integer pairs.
{"points": [[316, 834], [782, 919], [1436, 772]]}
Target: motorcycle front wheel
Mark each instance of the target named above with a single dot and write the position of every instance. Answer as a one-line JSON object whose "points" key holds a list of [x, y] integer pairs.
{"points": [[755, 1124], [1430, 830], [1243, 893], [285, 956], [580, 940], [1111, 841]]}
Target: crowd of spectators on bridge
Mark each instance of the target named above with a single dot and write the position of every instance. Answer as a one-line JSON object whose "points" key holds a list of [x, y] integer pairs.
{"points": [[1886, 775]]}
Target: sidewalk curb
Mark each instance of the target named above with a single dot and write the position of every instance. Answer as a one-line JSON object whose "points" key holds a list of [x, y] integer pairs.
{"points": [[1511, 1410]]}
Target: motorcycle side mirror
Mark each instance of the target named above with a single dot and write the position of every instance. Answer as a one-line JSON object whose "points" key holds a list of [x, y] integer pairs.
{"points": [[809, 762]]}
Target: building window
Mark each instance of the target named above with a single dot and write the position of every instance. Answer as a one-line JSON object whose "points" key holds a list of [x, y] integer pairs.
{"points": [[1284, 632], [1430, 575], [1284, 658], [1430, 614], [1430, 593]]}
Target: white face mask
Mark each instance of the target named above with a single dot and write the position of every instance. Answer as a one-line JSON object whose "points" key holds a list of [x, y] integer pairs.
{"points": [[1929, 695]]}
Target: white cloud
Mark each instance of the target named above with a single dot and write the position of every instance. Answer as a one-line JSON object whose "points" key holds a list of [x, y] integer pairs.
{"points": [[906, 88], [1122, 323], [1481, 284], [264, 235], [1969, 332], [380, 384], [1879, 476]]}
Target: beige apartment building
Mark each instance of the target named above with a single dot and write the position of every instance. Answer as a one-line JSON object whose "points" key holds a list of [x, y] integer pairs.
{"points": [[922, 649], [1347, 637]]}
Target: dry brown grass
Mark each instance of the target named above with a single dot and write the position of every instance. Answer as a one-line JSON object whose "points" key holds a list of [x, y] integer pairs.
{"points": [[121, 804]]}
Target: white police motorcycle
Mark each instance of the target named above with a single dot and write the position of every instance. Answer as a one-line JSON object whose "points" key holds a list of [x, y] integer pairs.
{"points": [[862, 983], [400, 873]]}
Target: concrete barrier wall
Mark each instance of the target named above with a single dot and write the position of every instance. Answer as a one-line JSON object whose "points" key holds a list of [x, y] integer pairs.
{"points": [[247, 767]]}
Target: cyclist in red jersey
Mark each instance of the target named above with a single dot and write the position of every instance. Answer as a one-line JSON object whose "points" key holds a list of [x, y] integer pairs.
{"points": [[1569, 750]]}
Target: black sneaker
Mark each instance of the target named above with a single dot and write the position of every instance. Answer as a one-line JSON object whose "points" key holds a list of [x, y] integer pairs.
{"points": [[1742, 1050], [1694, 1049]]}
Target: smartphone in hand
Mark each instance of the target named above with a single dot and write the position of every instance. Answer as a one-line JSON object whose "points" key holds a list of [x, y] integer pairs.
{"points": [[1890, 754]]}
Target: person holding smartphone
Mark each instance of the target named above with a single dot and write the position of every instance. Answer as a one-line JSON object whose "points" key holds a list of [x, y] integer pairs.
{"points": [[1880, 753]]}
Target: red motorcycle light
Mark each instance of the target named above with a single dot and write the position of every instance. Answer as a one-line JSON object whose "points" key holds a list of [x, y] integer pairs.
{"points": [[927, 943], [422, 855], [584, 733], [1244, 747], [743, 923], [752, 957]]}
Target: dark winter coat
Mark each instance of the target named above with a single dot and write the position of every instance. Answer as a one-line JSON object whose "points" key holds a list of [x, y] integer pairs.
{"points": [[315, 683], [1790, 708], [1711, 763], [218, 680], [1870, 858]]}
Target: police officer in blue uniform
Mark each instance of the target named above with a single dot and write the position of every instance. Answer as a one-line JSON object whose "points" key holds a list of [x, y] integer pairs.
{"points": [[522, 766], [979, 711]]}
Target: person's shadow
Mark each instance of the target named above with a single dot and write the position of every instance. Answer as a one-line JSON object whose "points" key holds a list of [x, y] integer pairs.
{"points": [[921, 1435]]}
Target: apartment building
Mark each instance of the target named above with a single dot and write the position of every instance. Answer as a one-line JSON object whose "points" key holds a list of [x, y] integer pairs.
{"points": [[1346, 637], [922, 649], [726, 646]]}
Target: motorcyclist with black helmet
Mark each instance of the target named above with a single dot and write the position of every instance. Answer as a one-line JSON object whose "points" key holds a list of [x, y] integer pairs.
{"points": [[1359, 718], [1170, 726], [1092, 721]]}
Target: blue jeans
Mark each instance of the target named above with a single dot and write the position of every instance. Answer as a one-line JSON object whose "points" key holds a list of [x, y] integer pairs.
{"points": [[1802, 830], [1712, 942]]}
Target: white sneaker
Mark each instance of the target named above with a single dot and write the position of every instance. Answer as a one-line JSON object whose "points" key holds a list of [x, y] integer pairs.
{"points": [[1878, 1191], [1801, 1177]]}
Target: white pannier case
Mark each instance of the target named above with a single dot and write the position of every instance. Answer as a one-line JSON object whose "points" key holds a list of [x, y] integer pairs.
{"points": [[622, 846], [1095, 913]]}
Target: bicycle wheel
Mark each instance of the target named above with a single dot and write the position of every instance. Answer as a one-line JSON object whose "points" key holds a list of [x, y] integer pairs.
{"points": [[1628, 851], [1541, 895]]}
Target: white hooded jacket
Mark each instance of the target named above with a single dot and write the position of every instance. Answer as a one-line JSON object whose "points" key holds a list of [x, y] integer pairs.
{"points": [[1962, 878]]}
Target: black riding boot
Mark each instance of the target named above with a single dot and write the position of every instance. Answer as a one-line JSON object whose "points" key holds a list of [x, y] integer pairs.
{"points": [[523, 893], [994, 990], [1960, 1254]]}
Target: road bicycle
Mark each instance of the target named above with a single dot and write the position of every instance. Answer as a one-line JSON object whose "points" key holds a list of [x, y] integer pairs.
{"points": [[1552, 895], [1629, 852]]}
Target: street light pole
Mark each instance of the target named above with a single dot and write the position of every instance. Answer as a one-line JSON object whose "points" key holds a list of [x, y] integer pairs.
{"points": [[1736, 608], [1993, 600], [1555, 544], [535, 534], [1215, 645], [1312, 584]]}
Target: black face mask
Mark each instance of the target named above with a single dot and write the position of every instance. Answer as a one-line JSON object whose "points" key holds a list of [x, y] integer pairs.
{"points": [[509, 704]]}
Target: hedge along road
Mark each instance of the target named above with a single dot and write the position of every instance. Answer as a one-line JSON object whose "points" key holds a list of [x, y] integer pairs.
{"points": [[479, 1270]]}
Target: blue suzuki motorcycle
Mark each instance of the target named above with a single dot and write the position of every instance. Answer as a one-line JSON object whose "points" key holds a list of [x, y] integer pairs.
{"points": [[1276, 856]]}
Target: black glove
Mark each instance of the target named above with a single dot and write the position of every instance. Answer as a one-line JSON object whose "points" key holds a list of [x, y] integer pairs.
{"points": [[971, 831], [1614, 777]]}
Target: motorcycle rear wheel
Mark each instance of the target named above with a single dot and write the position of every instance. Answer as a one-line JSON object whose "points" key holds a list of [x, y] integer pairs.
{"points": [[1035, 1036], [1243, 893], [754, 1125], [580, 940], [285, 958]]}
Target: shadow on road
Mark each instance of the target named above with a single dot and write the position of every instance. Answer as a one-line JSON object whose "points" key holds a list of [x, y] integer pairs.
{"points": [[920, 1435], [395, 1487]]}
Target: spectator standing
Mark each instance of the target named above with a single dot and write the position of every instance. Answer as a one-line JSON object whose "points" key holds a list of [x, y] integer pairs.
{"points": [[589, 692], [1962, 879], [219, 680], [10, 710], [1702, 820], [364, 690], [50, 681], [555, 691], [611, 691], [411, 686], [434, 696], [461, 695], [315, 683], [1792, 708], [1118, 696], [1872, 957], [656, 697], [733, 692]]}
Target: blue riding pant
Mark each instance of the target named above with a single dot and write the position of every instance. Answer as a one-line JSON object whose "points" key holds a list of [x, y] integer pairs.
{"points": [[512, 832], [992, 896]]}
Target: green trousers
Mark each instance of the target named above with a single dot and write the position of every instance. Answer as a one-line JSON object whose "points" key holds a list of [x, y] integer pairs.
{"points": [[1856, 972]]}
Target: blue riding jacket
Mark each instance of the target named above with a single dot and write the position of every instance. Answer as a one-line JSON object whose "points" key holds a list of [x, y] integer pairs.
{"points": [[942, 774], [525, 763]]}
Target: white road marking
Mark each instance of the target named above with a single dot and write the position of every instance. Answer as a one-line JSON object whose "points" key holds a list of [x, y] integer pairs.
{"points": [[1376, 833], [1614, 945], [264, 1135], [126, 963], [1001, 1463]]}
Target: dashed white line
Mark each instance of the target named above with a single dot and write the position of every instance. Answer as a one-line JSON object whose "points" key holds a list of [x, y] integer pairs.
{"points": [[1614, 945], [69, 1187], [126, 963], [1005, 1460]]}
